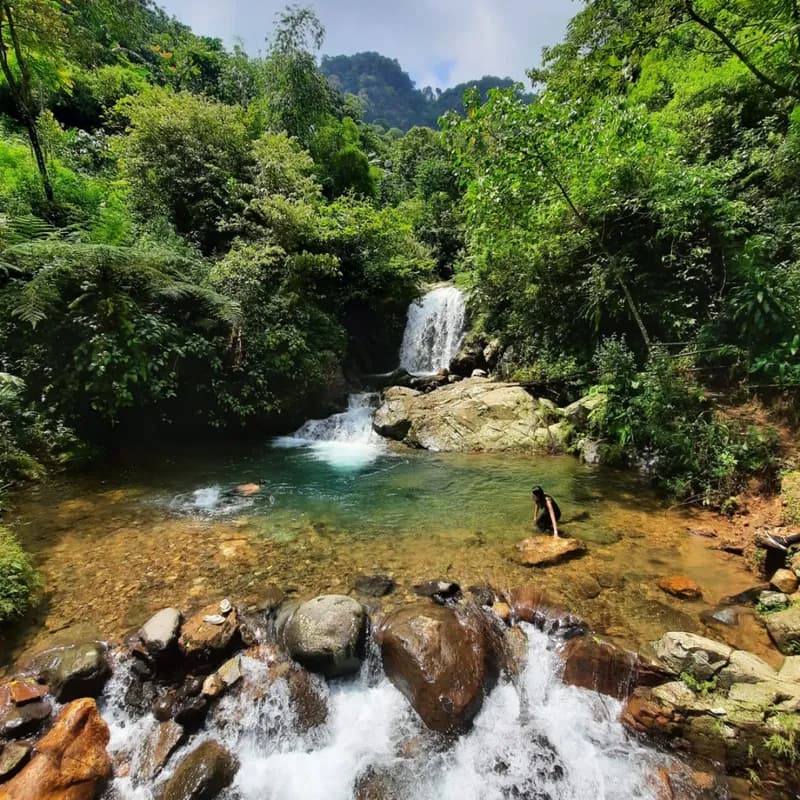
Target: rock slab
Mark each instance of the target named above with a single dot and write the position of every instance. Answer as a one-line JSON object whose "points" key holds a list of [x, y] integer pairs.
{"points": [[545, 551]]}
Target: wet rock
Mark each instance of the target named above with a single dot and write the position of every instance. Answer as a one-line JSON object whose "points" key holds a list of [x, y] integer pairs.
{"points": [[204, 640], [190, 712], [680, 586], [591, 663], [503, 611], [213, 686], [530, 604], [202, 774], [70, 762], [73, 671], [19, 721], [544, 551], [373, 585], [467, 360], [784, 629], [695, 655], [167, 738], [164, 707], [13, 757], [160, 633], [24, 690], [748, 597], [784, 580], [439, 591], [231, 671], [443, 660], [327, 635], [483, 594], [373, 784]]}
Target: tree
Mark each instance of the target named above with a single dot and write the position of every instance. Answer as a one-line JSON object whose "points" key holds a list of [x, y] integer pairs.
{"points": [[31, 43]]}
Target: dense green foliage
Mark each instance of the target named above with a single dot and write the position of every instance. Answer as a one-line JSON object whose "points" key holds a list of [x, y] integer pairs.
{"points": [[19, 581], [389, 96]]}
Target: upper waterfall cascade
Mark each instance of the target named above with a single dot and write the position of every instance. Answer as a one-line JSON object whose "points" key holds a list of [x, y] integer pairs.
{"points": [[434, 331]]}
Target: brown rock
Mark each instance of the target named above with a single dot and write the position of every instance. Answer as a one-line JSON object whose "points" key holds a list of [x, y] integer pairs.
{"points": [[18, 721], [202, 774], [167, 738], [203, 640], [530, 604], [544, 551], [213, 686], [784, 580], [595, 664], [680, 586], [70, 762], [26, 690], [443, 660], [503, 610]]}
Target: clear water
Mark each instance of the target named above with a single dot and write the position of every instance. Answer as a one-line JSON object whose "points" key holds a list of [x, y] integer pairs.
{"points": [[534, 738]]}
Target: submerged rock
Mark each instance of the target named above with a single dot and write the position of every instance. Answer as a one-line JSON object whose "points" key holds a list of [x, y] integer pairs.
{"points": [[202, 774], [73, 671], [70, 762], [327, 635], [443, 660], [544, 551], [161, 745], [680, 586], [530, 604], [439, 591], [18, 721], [373, 585]]}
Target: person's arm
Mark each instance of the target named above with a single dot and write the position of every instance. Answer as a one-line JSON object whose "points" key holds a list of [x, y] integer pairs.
{"points": [[552, 516]]}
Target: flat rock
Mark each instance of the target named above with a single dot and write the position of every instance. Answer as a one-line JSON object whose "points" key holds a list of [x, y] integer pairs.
{"points": [[202, 640], [745, 667], [544, 551], [327, 635], [784, 629], [160, 632], [680, 586], [695, 655], [161, 745]]}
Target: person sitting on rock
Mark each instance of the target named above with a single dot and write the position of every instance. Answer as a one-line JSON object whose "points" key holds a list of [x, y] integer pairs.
{"points": [[547, 509]]}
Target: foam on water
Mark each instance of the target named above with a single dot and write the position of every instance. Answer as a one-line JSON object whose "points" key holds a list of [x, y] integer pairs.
{"points": [[434, 331], [344, 440], [534, 738]]}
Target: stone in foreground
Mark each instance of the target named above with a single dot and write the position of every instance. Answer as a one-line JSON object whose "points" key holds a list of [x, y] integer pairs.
{"points": [[160, 632], [544, 551], [203, 774], [327, 635], [203, 640], [70, 762], [73, 671], [443, 660]]}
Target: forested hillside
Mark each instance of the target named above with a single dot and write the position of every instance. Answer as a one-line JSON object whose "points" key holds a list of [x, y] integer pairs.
{"points": [[195, 238], [389, 95]]}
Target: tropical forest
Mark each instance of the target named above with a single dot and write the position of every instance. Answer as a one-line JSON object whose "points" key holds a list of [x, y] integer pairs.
{"points": [[362, 440]]}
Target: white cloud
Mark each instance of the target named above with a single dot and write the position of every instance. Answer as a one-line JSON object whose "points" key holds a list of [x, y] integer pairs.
{"points": [[478, 37]]}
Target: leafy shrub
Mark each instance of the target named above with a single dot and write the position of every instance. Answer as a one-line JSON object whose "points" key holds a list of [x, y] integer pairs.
{"points": [[661, 419], [19, 582]]}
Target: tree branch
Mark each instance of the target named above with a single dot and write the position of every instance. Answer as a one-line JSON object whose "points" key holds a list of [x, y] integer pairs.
{"points": [[779, 88]]}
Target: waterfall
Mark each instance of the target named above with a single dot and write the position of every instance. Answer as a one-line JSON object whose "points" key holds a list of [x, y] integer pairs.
{"points": [[534, 738], [434, 331], [343, 440]]}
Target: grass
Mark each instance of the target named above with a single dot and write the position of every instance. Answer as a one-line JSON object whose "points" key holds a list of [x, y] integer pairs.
{"points": [[19, 581]]}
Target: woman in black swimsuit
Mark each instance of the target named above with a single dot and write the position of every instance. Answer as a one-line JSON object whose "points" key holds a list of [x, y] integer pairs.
{"points": [[545, 511]]}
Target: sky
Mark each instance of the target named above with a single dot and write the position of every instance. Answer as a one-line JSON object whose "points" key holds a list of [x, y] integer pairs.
{"points": [[439, 42]]}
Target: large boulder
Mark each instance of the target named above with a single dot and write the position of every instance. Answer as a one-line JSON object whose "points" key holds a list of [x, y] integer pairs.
{"points": [[73, 671], [544, 551], [327, 635], [784, 629], [475, 414], [202, 774], [443, 660], [70, 762], [209, 634]]}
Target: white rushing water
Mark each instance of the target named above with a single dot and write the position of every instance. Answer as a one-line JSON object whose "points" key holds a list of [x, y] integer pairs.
{"points": [[344, 440], [534, 739], [434, 331]]}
